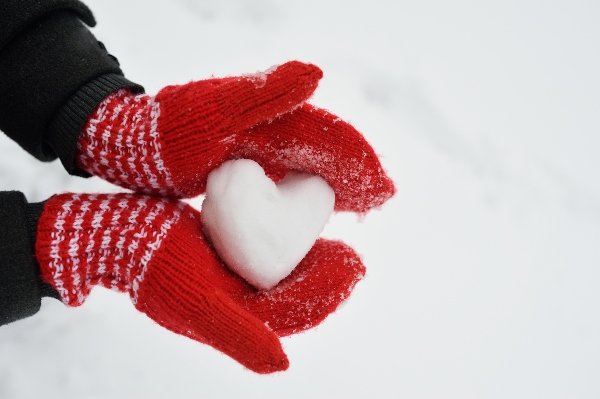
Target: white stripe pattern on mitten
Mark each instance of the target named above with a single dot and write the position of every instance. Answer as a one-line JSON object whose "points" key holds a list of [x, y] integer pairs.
{"points": [[57, 235], [122, 144], [109, 239], [152, 248]]}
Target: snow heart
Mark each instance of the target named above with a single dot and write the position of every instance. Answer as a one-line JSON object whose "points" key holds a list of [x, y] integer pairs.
{"points": [[260, 229]]}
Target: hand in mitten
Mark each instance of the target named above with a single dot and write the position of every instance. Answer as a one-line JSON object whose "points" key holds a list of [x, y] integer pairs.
{"points": [[153, 249], [169, 143], [313, 140]]}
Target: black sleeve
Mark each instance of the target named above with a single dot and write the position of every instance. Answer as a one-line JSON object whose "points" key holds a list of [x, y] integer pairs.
{"points": [[21, 290], [53, 74]]}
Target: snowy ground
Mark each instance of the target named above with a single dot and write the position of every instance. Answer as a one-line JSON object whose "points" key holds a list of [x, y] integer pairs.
{"points": [[483, 271]]}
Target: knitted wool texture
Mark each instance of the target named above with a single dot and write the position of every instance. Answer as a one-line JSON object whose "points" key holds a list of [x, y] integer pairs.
{"points": [[168, 144], [153, 249], [316, 141]]}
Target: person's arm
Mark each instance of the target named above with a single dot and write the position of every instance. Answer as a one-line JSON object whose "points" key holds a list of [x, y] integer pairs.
{"points": [[21, 289], [53, 74], [153, 249], [62, 95]]}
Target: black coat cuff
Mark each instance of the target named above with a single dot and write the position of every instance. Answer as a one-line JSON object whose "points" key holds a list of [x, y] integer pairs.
{"points": [[54, 69], [21, 290], [66, 125]]}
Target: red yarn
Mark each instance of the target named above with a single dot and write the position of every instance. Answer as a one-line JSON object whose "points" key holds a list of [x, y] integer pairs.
{"points": [[153, 249], [315, 141], [168, 144]]}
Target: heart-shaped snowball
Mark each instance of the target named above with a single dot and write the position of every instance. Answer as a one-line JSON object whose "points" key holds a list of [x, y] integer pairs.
{"points": [[260, 229]]}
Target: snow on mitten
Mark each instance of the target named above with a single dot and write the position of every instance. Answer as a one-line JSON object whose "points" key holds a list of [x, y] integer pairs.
{"points": [[153, 249], [313, 140], [167, 144]]}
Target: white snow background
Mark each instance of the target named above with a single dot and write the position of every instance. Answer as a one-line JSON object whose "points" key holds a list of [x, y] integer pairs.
{"points": [[483, 272]]}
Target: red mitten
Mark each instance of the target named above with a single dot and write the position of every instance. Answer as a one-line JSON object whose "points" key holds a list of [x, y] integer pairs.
{"points": [[153, 249], [168, 144], [315, 141]]}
